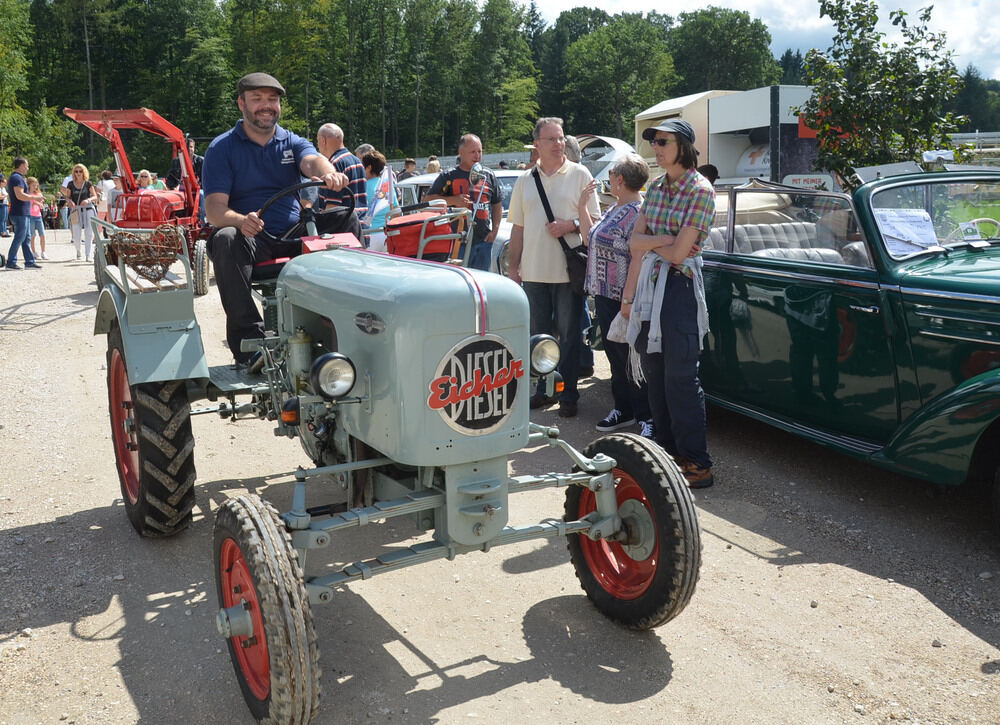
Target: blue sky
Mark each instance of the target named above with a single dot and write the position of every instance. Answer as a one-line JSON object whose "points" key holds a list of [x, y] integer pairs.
{"points": [[973, 30]]}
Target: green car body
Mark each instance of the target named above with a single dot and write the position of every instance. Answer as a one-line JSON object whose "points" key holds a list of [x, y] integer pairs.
{"points": [[870, 323]]}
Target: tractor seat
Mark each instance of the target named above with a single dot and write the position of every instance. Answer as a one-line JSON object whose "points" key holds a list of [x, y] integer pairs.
{"points": [[268, 269]]}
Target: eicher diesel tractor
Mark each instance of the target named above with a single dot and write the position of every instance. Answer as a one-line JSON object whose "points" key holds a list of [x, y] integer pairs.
{"points": [[406, 383]]}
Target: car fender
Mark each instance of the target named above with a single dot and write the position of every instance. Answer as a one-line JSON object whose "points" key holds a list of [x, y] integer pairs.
{"points": [[938, 442], [153, 352]]}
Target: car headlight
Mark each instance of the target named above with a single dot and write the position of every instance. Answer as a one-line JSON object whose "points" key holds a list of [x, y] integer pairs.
{"points": [[544, 354], [332, 375]]}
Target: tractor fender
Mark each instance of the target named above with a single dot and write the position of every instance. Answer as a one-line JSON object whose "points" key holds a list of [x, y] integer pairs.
{"points": [[171, 350], [937, 444]]}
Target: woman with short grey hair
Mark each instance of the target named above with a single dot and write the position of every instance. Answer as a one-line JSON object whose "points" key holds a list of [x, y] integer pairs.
{"points": [[608, 259]]}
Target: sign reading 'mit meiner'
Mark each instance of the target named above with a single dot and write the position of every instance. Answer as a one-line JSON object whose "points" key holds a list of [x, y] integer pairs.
{"points": [[475, 385]]}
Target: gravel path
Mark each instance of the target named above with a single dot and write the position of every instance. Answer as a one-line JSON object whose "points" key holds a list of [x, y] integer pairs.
{"points": [[830, 591]]}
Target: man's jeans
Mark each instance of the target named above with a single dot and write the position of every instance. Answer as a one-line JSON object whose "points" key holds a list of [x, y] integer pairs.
{"points": [[555, 309], [4, 208], [20, 242]]}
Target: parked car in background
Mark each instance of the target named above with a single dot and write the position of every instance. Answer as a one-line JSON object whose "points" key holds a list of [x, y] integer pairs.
{"points": [[867, 323]]}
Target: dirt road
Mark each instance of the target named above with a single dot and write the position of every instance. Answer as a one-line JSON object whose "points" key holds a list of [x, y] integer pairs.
{"points": [[830, 591]]}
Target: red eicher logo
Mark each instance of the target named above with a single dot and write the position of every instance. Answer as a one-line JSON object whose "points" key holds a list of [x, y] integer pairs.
{"points": [[476, 385]]}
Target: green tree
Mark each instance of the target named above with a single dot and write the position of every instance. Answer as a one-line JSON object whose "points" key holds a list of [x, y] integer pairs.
{"points": [[722, 49], [501, 72], [615, 71], [978, 102], [570, 26], [876, 102], [15, 33], [792, 68]]}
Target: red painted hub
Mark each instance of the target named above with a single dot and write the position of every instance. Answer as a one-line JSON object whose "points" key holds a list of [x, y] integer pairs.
{"points": [[238, 589], [619, 574], [123, 426]]}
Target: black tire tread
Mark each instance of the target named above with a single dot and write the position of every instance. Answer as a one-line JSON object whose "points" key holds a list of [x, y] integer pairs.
{"points": [[166, 455], [679, 534], [293, 651], [199, 268]]}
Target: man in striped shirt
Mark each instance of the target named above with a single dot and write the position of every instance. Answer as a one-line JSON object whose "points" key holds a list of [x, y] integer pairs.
{"points": [[330, 143]]}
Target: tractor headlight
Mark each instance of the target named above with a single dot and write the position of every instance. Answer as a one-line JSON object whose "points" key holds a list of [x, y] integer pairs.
{"points": [[544, 354], [332, 375]]}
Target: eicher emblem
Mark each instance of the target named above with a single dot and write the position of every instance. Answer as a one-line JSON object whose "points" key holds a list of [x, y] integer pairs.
{"points": [[475, 385]]}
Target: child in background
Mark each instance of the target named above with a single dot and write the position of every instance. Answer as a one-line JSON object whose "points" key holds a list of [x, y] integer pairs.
{"points": [[35, 225]]}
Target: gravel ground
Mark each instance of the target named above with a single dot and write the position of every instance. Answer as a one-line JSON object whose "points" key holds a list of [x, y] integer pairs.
{"points": [[830, 591]]}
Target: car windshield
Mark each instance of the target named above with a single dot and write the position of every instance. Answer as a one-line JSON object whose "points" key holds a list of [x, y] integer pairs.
{"points": [[918, 217], [506, 187]]}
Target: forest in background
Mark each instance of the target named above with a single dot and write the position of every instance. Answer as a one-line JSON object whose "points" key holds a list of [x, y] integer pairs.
{"points": [[409, 76]]}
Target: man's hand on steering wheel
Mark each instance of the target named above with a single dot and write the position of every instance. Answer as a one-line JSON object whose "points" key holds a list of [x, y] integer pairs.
{"points": [[334, 180], [252, 225]]}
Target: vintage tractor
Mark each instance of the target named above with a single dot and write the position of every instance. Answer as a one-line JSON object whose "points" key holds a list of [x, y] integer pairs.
{"points": [[137, 213], [406, 382]]}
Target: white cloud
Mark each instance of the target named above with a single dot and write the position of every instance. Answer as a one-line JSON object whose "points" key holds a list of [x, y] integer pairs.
{"points": [[972, 29]]}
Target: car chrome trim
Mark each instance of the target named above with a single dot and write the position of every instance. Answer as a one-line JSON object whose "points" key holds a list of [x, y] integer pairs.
{"points": [[963, 296], [731, 267], [815, 434], [955, 318], [959, 338]]}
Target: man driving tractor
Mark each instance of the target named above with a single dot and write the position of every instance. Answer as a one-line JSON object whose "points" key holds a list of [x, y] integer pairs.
{"points": [[243, 168]]}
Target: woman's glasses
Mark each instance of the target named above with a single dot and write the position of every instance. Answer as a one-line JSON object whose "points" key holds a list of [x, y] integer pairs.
{"points": [[663, 141]]}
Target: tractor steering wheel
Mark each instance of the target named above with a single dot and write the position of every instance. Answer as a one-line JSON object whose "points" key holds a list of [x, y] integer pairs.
{"points": [[308, 214]]}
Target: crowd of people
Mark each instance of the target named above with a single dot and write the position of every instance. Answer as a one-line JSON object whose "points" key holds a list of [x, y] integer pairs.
{"points": [[643, 269]]}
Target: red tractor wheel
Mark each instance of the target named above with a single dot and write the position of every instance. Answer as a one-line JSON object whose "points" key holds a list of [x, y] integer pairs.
{"points": [[154, 447], [265, 613], [647, 579]]}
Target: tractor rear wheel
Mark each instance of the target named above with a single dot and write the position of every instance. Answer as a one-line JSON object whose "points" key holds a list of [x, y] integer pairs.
{"points": [[199, 267], [154, 447], [260, 582], [648, 579]]}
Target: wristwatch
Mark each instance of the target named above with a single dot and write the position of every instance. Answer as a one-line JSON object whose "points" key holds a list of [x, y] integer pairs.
{"points": [[627, 300], [576, 225]]}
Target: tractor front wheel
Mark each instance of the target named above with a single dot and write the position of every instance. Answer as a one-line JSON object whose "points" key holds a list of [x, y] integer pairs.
{"points": [[647, 578], [265, 613], [154, 447], [199, 267]]}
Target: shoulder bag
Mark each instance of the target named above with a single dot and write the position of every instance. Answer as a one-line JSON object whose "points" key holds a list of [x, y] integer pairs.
{"points": [[576, 257]]}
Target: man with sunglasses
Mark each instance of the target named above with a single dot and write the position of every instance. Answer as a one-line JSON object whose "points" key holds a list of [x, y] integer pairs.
{"points": [[243, 168], [536, 257]]}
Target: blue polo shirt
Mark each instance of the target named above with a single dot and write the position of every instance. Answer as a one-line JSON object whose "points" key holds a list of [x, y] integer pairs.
{"points": [[18, 207], [251, 174]]}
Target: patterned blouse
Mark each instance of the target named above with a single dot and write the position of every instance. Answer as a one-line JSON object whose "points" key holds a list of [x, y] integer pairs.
{"points": [[608, 253], [687, 202]]}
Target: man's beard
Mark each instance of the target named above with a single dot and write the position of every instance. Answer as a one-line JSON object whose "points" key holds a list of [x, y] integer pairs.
{"points": [[263, 124]]}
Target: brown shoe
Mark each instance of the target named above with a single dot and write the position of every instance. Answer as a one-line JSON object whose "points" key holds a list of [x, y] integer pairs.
{"points": [[697, 477]]}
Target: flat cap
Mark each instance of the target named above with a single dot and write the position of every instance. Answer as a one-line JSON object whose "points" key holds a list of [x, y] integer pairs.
{"points": [[259, 80]]}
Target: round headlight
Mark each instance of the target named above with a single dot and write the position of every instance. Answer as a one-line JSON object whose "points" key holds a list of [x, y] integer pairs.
{"points": [[544, 354], [332, 375]]}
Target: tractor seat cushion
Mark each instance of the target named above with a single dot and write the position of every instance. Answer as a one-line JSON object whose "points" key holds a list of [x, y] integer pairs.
{"points": [[267, 269]]}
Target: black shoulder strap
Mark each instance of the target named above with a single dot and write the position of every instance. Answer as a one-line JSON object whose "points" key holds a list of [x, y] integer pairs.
{"points": [[545, 204]]}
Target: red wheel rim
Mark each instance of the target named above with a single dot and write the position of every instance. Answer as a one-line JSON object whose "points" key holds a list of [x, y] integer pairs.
{"points": [[123, 426], [238, 588], [619, 574]]}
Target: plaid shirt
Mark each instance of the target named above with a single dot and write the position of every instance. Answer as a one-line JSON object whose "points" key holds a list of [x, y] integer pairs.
{"points": [[687, 202]]}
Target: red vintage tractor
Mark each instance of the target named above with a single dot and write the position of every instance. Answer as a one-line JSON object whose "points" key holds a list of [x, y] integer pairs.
{"points": [[141, 211]]}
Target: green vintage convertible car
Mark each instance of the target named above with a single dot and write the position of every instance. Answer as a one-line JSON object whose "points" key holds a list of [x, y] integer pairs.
{"points": [[869, 323]]}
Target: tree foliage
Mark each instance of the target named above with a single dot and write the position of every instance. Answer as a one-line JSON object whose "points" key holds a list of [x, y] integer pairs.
{"points": [[721, 49], [623, 67], [409, 76], [876, 102]]}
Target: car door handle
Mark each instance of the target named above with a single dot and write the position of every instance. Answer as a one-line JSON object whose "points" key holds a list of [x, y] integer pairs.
{"points": [[869, 310]]}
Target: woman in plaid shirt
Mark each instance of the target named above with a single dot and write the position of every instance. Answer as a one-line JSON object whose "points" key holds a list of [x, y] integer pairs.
{"points": [[664, 297]]}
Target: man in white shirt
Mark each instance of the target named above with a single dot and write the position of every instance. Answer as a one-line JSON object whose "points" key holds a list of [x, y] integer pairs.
{"points": [[536, 258]]}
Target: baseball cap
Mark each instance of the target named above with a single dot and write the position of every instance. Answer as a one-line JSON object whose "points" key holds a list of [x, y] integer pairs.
{"points": [[259, 80], [671, 125]]}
